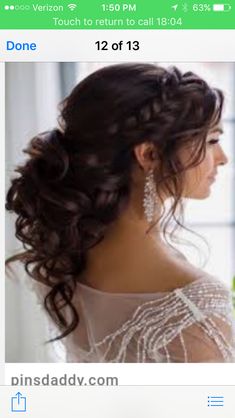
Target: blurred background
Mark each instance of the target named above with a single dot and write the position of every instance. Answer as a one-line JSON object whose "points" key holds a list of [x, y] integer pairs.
{"points": [[33, 91]]}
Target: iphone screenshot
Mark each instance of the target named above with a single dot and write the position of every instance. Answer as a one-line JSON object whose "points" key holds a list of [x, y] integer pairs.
{"points": [[117, 191]]}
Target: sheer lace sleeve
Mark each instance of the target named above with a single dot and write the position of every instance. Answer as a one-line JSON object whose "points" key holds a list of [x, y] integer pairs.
{"points": [[202, 326], [191, 324]]}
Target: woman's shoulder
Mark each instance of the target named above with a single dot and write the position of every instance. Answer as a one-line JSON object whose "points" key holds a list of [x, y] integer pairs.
{"points": [[205, 284], [190, 278], [207, 294]]}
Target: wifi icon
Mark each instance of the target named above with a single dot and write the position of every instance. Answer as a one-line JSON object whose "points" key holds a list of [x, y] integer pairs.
{"points": [[72, 6]]}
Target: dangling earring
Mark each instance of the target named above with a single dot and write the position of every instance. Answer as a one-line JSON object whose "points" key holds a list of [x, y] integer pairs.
{"points": [[150, 195]]}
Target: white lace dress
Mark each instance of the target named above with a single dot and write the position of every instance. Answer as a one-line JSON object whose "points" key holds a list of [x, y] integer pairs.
{"points": [[190, 324]]}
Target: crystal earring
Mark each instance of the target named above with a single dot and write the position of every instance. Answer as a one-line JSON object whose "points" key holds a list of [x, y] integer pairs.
{"points": [[150, 194]]}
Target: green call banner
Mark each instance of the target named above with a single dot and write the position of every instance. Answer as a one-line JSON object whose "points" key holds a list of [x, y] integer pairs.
{"points": [[102, 14]]}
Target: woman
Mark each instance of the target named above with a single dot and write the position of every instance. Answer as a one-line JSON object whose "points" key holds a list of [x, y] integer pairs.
{"points": [[95, 202]]}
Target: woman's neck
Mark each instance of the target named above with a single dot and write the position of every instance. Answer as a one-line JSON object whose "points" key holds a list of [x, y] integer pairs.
{"points": [[129, 260]]}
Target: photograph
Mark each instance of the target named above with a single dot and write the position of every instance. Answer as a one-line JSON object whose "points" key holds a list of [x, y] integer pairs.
{"points": [[120, 212]]}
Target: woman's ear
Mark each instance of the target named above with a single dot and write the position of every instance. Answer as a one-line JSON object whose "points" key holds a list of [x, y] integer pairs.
{"points": [[146, 155]]}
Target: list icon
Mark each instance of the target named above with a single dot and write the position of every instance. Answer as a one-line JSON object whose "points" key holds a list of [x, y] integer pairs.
{"points": [[215, 401]]}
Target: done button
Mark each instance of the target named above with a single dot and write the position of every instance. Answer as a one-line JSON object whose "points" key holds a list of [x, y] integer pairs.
{"points": [[20, 46]]}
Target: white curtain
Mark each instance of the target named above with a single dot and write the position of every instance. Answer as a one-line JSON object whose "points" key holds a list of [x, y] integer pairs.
{"points": [[33, 91]]}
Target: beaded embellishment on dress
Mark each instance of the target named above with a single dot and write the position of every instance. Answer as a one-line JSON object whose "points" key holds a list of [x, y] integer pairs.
{"points": [[191, 324]]}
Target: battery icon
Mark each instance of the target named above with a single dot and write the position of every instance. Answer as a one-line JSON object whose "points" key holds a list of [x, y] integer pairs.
{"points": [[221, 7]]}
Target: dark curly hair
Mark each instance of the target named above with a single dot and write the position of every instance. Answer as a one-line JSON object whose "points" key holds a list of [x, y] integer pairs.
{"points": [[77, 179]]}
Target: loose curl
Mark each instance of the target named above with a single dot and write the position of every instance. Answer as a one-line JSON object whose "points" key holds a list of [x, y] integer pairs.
{"points": [[77, 179]]}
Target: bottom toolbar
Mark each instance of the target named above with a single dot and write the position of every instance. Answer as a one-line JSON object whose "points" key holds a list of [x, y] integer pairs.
{"points": [[116, 402]]}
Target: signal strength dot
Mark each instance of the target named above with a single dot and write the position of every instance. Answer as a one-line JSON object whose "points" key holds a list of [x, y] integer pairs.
{"points": [[9, 7]]}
